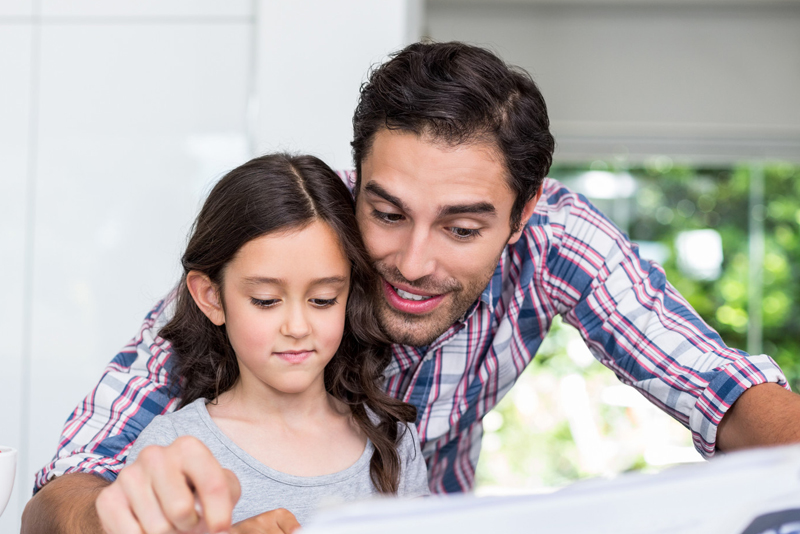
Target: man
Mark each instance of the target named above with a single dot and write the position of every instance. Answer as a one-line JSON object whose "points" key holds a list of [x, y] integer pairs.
{"points": [[478, 252]]}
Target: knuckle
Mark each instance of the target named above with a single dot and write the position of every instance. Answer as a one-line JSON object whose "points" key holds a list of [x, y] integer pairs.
{"points": [[181, 511], [159, 526], [129, 476], [104, 499], [216, 488], [151, 455], [186, 444]]}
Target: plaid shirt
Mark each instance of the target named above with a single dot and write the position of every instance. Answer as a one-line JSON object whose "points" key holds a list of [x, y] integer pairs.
{"points": [[570, 261]]}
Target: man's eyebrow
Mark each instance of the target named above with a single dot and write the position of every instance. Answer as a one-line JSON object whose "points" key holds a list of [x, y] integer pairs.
{"points": [[379, 191], [478, 208], [263, 280]]}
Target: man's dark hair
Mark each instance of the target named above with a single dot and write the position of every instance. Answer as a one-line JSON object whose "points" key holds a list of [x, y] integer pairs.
{"points": [[457, 93]]}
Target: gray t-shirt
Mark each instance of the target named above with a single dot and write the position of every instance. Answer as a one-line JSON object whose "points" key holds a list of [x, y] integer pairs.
{"points": [[264, 488]]}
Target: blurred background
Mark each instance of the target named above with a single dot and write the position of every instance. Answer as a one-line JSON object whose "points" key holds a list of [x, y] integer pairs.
{"points": [[680, 119]]}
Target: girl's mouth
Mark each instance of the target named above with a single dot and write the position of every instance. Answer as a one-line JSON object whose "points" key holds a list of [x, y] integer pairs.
{"points": [[294, 356]]}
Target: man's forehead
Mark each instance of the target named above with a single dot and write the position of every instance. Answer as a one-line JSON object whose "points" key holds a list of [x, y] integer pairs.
{"points": [[398, 157], [478, 142]]}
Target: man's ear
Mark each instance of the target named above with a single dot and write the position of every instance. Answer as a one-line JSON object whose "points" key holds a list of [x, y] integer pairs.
{"points": [[206, 295], [527, 211]]}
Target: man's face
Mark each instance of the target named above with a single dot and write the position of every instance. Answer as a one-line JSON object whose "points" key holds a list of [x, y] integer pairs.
{"points": [[435, 219]]}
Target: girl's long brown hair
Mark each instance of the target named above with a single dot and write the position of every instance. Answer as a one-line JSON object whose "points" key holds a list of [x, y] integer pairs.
{"points": [[265, 195]]}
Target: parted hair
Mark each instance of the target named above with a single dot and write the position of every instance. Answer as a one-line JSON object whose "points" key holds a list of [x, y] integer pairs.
{"points": [[276, 193], [458, 93]]}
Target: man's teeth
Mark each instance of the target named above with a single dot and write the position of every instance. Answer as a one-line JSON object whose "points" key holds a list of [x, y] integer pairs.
{"points": [[410, 296]]}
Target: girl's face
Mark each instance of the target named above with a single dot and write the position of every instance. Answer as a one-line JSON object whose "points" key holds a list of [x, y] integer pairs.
{"points": [[285, 296]]}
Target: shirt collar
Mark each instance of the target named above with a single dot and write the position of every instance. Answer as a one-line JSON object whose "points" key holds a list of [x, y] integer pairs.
{"points": [[491, 295]]}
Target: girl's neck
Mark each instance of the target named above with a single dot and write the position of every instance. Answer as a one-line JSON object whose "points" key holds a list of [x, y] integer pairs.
{"points": [[251, 399], [303, 434]]}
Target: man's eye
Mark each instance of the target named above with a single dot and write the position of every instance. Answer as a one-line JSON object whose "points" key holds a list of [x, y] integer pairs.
{"points": [[387, 217], [465, 233], [264, 303], [323, 303]]}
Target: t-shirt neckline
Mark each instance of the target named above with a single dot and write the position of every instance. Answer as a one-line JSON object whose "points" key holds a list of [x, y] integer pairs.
{"points": [[321, 480]]}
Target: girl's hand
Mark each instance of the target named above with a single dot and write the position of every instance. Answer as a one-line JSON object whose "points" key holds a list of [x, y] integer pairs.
{"points": [[279, 521]]}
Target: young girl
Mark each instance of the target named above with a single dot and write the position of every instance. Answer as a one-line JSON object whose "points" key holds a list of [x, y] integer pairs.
{"points": [[278, 355]]}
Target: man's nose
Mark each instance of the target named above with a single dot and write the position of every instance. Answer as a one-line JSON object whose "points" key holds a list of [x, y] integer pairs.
{"points": [[416, 258], [296, 323]]}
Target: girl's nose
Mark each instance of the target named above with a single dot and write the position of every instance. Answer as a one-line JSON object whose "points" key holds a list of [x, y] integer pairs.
{"points": [[296, 325]]}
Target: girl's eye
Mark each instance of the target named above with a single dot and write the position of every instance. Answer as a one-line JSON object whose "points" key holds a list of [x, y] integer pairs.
{"points": [[389, 218], [465, 233], [264, 303], [323, 303]]}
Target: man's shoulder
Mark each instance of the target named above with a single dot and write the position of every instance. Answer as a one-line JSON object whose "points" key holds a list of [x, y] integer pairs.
{"points": [[349, 179], [550, 216], [562, 212], [557, 201], [561, 215]]}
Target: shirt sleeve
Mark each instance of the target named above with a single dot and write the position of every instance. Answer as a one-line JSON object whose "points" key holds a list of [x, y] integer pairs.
{"points": [[638, 325], [414, 473], [159, 432], [133, 389]]}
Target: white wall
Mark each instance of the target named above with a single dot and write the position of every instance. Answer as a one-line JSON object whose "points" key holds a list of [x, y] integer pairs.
{"points": [[114, 120], [308, 91], [710, 80]]}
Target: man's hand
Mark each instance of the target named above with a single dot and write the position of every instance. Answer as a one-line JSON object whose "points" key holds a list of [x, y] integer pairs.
{"points": [[65, 505], [765, 414], [156, 493], [278, 521]]}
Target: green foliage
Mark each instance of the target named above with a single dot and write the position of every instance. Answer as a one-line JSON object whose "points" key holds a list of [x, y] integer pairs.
{"points": [[672, 198], [781, 302], [533, 446]]}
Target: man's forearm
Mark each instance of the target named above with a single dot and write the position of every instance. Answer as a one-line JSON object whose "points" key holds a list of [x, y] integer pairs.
{"points": [[65, 506], [766, 414]]}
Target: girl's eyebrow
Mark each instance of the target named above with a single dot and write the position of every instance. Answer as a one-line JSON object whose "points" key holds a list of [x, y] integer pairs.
{"points": [[329, 280], [262, 280]]}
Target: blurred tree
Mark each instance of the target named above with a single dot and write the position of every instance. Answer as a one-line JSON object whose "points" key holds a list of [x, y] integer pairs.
{"points": [[528, 442]]}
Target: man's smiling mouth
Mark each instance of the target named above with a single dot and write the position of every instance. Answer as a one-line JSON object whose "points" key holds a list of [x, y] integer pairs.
{"points": [[405, 301], [410, 296]]}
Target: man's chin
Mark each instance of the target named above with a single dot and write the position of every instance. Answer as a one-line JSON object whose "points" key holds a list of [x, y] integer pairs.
{"points": [[414, 330]]}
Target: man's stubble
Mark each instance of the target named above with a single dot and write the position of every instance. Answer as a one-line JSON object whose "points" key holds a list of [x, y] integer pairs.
{"points": [[421, 330]]}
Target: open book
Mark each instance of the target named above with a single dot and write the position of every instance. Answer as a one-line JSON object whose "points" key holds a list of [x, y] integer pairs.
{"points": [[750, 492]]}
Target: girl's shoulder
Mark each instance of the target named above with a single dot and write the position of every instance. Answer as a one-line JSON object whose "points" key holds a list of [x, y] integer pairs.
{"points": [[408, 445], [163, 429], [414, 471]]}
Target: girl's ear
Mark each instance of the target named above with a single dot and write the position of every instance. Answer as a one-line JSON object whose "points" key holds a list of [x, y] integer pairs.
{"points": [[206, 295]]}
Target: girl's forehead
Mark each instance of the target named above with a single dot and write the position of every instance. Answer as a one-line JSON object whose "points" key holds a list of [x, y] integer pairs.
{"points": [[305, 254]]}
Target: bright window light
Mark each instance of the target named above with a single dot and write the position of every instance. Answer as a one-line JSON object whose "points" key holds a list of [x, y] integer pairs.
{"points": [[699, 254]]}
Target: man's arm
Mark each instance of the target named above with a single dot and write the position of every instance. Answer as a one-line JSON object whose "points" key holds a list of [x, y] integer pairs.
{"points": [[65, 506], [639, 326], [134, 388], [98, 434], [766, 414]]}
